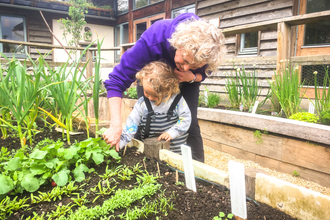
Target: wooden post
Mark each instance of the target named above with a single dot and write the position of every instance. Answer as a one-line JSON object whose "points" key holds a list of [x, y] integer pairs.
{"points": [[89, 67], [283, 45], [153, 145], [250, 181]]}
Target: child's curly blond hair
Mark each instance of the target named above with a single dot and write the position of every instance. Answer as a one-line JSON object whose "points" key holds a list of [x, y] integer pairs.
{"points": [[161, 78], [202, 40]]}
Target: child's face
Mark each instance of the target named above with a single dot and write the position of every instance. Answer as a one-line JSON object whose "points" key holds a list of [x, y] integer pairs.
{"points": [[185, 62], [148, 91]]}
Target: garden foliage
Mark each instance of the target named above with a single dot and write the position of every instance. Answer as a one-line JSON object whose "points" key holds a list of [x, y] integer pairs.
{"points": [[305, 116]]}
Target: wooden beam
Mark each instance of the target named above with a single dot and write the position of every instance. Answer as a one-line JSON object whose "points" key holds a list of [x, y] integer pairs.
{"points": [[51, 46], [311, 60], [268, 25], [283, 45]]}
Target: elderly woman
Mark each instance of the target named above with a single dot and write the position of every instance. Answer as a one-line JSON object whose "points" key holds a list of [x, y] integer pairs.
{"points": [[187, 43]]}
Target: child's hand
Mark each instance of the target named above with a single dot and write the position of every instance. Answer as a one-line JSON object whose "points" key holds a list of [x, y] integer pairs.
{"points": [[165, 136]]}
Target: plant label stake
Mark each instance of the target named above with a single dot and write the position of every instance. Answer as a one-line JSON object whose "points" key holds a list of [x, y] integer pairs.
{"points": [[255, 107], [188, 167], [237, 189], [311, 108], [205, 96]]}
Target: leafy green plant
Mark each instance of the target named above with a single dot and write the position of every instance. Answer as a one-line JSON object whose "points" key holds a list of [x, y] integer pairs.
{"points": [[258, 134], [60, 211], [287, 89], [80, 201], [132, 93], [213, 99], [295, 173], [305, 116], [74, 25], [222, 216], [325, 117]]}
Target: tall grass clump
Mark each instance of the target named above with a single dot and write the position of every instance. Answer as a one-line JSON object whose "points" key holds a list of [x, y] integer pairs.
{"points": [[322, 96], [243, 88], [287, 89]]}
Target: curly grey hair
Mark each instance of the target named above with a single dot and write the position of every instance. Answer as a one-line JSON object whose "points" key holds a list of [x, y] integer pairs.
{"points": [[202, 40]]}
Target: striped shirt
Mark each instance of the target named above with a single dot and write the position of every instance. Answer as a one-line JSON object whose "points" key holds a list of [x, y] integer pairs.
{"points": [[176, 127]]}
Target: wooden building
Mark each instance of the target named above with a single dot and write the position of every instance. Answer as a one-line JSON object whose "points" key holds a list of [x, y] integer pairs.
{"points": [[21, 20]]}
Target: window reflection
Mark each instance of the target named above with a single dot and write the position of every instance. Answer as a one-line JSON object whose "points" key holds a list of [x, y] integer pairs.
{"points": [[12, 28]]}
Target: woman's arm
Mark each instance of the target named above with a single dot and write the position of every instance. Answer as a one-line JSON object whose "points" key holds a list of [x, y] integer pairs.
{"points": [[112, 135]]}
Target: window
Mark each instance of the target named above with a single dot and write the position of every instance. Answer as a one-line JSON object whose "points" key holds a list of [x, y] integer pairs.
{"points": [[13, 28], [121, 37], [139, 26], [83, 59], [186, 9], [142, 3], [317, 33], [249, 43], [122, 6]]}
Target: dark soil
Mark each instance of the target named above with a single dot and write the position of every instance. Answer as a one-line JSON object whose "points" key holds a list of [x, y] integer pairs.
{"points": [[205, 204]]}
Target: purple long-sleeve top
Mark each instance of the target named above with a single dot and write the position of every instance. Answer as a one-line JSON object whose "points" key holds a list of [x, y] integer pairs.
{"points": [[152, 46]]}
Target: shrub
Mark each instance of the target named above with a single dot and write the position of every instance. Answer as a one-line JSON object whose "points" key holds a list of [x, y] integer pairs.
{"points": [[305, 116], [132, 93], [213, 100], [325, 117]]}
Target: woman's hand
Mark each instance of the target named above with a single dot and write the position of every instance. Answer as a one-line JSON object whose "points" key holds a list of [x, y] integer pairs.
{"points": [[184, 76], [165, 136], [112, 135]]}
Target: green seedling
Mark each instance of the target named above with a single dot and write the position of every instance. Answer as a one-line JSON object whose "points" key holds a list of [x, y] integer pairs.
{"points": [[222, 216], [80, 201], [7, 206], [295, 173], [111, 172], [179, 183], [137, 168], [60, 211], [146, 178], [104, 190]]}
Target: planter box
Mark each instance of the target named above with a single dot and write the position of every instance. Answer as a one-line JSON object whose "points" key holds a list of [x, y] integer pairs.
{"points": [[288, 145]]}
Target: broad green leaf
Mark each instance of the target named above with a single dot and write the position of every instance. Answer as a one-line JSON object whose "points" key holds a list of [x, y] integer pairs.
{"points": [[78, 172], [101, 131], [113, 153], [52, 163], [98, 158], [38, 154], [6, 184], [69, 153], [30, 183], [14, 163], [38, 168], [46, 175], [61, 178]]}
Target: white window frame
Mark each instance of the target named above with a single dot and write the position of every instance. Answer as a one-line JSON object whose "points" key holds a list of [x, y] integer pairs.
{"points": [[186, 8], [19, 55], [148, 4], [121, 39], [246, 51]]}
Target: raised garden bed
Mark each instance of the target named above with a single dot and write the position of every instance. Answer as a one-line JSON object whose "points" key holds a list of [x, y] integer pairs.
{"points": [[206, 203]]}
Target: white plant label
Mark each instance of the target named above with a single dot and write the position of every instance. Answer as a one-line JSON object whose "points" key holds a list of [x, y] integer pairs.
{"points": [[205, 96], [188, 168], [311, 108], [237, 189], [255, 107]]}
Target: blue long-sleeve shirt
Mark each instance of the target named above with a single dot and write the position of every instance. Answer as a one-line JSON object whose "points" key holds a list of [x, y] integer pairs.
{"points": [[152, 46]]}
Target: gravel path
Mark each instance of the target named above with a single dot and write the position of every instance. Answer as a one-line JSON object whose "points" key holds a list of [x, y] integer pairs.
{"points": [[220, 160]]}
